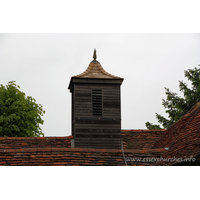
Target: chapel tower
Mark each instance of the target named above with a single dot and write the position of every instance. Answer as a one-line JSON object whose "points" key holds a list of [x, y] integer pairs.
{"points": [[96, 108]]}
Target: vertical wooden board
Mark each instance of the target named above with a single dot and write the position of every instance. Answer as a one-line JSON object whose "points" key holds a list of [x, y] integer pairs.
{"points": [[72, 115]]}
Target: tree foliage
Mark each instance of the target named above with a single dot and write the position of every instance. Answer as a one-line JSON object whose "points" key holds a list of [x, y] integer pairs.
{"points": [[20, 116], [177, 106]]}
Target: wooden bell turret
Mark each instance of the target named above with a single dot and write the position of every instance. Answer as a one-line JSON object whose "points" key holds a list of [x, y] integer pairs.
{"points": [[96, 108]]}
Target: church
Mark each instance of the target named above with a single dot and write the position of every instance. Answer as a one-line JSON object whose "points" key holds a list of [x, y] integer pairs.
{"points": [[96, 137]]}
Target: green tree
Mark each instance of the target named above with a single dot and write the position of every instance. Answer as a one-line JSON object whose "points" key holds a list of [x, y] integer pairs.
{"points": [[177, 106], [20, 116]]}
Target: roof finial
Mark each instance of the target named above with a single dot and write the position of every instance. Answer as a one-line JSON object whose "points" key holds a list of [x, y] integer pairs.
{"points": [[95, 55]]}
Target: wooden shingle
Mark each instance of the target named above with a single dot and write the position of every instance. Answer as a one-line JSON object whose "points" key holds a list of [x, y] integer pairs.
{"points": [[95, 70]]}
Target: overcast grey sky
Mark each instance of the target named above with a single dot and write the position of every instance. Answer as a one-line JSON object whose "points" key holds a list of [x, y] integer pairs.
{"points": [[42, 65]]}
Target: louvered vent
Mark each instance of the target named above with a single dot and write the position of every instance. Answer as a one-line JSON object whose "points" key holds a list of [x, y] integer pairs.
{"points": [[97, 102]]}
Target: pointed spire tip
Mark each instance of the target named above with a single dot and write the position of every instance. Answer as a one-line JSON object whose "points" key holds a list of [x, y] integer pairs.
{"points": [[95, 54]]}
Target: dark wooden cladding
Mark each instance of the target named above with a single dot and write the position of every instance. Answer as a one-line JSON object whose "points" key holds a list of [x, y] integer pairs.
{"points": [[97, 130], [105, 143], [82, 94], [111, 104], [72, 116], [102, 121], [96, 113], [100, 134]]}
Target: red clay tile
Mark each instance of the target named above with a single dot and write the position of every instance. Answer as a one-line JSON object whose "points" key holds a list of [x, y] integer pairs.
{"points": [[44, 149], [11, 138], [30, 149], [40, 138], [58, 149], [20, 138]]}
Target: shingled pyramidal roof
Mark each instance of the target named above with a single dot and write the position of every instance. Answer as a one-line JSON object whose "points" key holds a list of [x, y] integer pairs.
{"points": [[95, 70]]}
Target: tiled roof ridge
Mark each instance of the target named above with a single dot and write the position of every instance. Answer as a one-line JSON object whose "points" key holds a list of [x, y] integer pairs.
{"points": [[36, 138], [140, 138], [97, 64], [172, 130], [143, 130], [188, 114], [197, 109], [82, 150]]}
